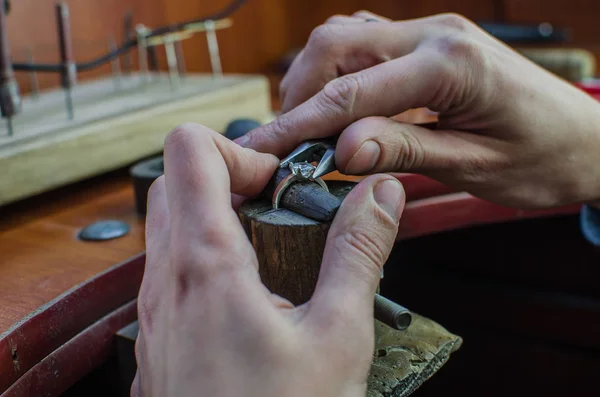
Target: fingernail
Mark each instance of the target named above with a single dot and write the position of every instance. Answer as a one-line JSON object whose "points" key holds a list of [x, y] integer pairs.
{"points": [[364, 159], [243, 141], [388, 195]]}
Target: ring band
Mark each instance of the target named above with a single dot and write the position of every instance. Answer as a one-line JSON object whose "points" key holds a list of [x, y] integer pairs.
{"points": [[287, 182]]}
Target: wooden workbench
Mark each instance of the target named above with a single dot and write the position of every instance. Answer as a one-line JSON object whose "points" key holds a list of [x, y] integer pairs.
{"points": [[62, 299]]}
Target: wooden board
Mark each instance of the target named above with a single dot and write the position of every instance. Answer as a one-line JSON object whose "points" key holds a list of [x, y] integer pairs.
{"points": [[114, 126]]}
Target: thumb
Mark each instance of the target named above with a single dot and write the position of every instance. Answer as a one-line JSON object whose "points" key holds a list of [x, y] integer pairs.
{"points": [[358, 244], [379, 144]]}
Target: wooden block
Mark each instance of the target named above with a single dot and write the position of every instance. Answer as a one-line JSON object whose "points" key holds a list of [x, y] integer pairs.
{"points": [[115, 127], [289, 249]]}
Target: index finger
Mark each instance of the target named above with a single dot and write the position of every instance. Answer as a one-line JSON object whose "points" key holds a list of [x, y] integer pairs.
{"points": [[202, 169], [384, 90]]}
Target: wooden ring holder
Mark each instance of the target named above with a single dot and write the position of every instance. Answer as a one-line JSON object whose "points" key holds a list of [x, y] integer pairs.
{"points": [[289, 248]]}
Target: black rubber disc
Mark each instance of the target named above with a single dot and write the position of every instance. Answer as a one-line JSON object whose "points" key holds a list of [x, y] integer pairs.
{"points": [[143, 174]]}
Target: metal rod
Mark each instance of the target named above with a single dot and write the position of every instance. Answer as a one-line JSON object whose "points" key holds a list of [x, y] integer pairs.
{"points": [[9, 126], [142, 33], [10, 99], [172, 63], [34, 84], [128, 33], [69, 72], [115, 63], [69, 103], [391, 313], [180, 58], [213, 49]]}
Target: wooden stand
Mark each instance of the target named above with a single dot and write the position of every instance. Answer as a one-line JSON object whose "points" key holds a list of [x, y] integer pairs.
{"points": [[290, 248], [116, 126]]}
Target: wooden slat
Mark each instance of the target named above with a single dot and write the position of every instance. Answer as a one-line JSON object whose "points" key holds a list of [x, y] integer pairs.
{"points": [[79, 356], [112, 130]]}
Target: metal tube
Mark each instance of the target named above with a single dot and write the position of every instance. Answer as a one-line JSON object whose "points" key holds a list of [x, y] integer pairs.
{"points": [[69, 72], [391, 313], [180, 58], [142, 33], [172, 63], [128, 33], [10, 99], [213, 49], [115, 63], [34, 84]]}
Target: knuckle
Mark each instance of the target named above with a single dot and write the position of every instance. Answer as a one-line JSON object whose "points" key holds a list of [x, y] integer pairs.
{"points": [[457, 47], [340, 94], [362, 13], [409, 152], [478, 170], [365, 245], [280, 127], [454, 21], [335, 18], [322, 38], [196, 264], [183, 134]]}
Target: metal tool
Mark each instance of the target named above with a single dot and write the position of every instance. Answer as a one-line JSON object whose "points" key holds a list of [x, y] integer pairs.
{"points": [[34, 84], [172, 62], [10, 100], [213, 49], [69, 69], [392, 314], [320, 150], [142, 33], [180, 59], [128, 34], [115, 63]]}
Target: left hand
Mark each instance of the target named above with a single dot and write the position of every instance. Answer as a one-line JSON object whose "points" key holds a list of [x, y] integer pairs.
{"points": [[209, 327]]}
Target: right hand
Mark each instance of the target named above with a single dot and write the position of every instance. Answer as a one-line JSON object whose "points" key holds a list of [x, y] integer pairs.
{"points": [[508, 132]]}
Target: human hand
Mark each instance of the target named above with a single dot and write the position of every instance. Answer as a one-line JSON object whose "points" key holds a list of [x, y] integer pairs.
{"points": [[508, 131], [209, 327]]}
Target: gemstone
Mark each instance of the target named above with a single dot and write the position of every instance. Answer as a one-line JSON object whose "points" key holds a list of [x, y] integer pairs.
{"points": [[303, 170]]}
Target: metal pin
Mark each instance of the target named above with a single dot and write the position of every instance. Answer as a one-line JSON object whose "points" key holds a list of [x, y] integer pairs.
{"points": [[128, 33], [142, 32], [69, 103], [213, 49], [172, 63], [391, 313], [115, 63], [34, 84], [180, 58], [9, 125], [10, 98], [69, 72]]}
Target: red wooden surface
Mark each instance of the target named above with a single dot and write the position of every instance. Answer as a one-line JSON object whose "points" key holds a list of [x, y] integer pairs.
{"points": [[53, 325], [58, 371], [460, 210]]}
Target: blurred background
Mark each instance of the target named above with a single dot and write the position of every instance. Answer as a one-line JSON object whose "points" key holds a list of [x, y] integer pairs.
{"points": [[264, 32]]}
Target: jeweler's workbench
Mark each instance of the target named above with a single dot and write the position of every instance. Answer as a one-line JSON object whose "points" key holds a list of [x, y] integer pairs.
{"points": [[66, 301]]}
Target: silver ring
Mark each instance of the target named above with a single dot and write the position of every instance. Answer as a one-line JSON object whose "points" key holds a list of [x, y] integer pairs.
{"points": [[301, 172]]}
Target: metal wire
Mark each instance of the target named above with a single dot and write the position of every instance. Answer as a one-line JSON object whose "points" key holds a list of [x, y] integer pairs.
{"points": [[82, 67]]}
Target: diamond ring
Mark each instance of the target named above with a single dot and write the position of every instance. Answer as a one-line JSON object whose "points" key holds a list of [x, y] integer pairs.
{"points": [[301, 172]]}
